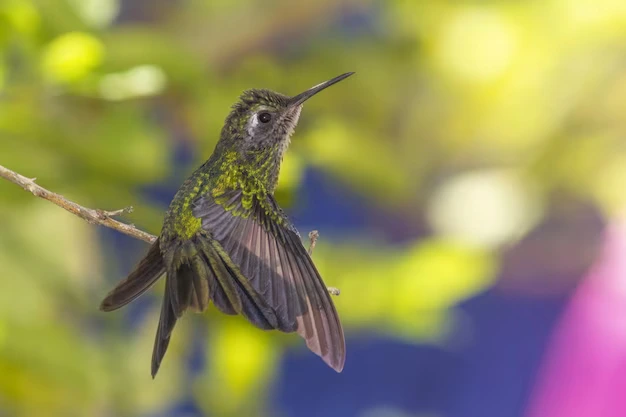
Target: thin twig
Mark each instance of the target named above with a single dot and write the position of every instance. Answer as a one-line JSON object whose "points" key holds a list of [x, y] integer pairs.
{"points": [[313, 236], [333, 291], [93, 216]]}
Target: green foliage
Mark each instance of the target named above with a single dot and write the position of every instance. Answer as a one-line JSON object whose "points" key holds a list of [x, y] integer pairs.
{"points": [[445, 92]]}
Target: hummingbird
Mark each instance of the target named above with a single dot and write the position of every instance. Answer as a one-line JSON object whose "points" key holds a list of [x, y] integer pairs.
{"points": [[226, 240]]}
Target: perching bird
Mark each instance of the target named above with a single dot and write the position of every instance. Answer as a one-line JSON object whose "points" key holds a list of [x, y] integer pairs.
{"points": [[226, 240]]}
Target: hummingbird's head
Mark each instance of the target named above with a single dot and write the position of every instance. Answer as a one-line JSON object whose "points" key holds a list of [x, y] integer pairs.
{"points": [[261, 123]]}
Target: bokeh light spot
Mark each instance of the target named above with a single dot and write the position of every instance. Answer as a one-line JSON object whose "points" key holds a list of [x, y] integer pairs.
{"points": [[477, 44], [484, 208], [96, 13], [72, 56], [21, 15], [241, 355], [143, 80]]}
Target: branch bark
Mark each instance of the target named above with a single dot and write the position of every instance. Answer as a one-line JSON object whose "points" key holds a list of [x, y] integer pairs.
{"points": [[93, 216]]}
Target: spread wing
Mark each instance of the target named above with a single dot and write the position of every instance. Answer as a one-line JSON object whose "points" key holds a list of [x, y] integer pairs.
{"points": [[266, 247]]}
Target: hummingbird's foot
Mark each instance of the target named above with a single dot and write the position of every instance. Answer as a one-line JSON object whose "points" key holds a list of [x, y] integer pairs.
{"points": [[333, 291]]}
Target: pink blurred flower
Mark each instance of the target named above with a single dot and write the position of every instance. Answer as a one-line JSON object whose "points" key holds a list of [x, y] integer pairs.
{"points": [[584, 370]]}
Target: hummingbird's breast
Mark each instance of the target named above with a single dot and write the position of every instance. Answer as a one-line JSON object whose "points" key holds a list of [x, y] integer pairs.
{"points": [[215, 177]]}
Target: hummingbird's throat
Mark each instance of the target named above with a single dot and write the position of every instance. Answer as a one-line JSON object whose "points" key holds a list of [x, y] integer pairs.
{"points": [[290, 122]]}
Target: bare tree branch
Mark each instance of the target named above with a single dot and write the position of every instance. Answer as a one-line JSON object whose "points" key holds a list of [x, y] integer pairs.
{"points": [[93, 216], [102, 217]]}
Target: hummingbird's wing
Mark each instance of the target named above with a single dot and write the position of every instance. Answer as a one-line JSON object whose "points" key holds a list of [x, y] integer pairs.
{"points": [[266, 247]]}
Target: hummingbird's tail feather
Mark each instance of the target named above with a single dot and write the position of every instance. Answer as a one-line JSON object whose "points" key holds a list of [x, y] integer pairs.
{"points": [[150, 268], [200, 278], [179, 286], [186, 286], [167, 321], [198, 273]]}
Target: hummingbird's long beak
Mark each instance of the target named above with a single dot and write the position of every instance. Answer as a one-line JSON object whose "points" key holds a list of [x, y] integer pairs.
{"points": [[302, 97]]}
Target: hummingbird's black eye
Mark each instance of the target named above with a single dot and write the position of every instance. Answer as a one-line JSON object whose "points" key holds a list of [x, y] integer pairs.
{"points": [[265, 117]]}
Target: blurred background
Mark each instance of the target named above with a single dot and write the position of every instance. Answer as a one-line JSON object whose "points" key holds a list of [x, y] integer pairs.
{"points": [[468, 184]]}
